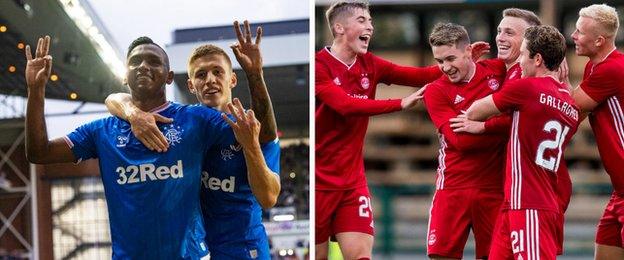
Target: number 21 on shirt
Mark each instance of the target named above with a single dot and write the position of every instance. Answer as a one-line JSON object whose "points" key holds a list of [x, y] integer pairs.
{"points": [[551, 163]]}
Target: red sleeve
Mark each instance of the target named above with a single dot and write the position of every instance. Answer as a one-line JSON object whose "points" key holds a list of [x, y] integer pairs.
{"points": [[499, 124], [602, 83], [391, 73], [512, 95], [440, 111], [337, 99]]}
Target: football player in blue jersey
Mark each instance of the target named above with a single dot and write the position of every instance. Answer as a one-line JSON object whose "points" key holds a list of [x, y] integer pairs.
{"points": [[238, 178], [152, 200]]}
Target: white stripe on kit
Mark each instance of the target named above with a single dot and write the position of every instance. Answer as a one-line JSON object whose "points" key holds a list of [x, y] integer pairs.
{"points": [[516, 168], [618, 118], [441, 163], [532, 237]]}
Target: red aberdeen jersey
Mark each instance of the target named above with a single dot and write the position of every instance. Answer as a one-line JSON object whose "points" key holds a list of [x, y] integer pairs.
{"points": [[603, 82], [544, 120], [514, 72], [340, 129], [466, 160]]}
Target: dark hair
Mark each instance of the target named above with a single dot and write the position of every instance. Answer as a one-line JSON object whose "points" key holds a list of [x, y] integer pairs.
{"points": [[548, 42], [449, 34], [529, 17], [146, 40], [341, 7]]}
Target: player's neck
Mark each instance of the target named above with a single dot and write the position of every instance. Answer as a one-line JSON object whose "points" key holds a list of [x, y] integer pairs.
{"points": [[149, 102], [472, 69], [547, 73], [602, 53], [510, 64], [343, 53]]}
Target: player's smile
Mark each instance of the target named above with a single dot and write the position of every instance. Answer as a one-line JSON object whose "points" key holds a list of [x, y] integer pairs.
{"points": [[365, 38]]}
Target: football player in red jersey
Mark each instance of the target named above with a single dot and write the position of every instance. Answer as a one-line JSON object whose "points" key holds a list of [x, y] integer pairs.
{"points": [[347, 72], [601, 94], [544, 120], [469, 177], [509, 35]]}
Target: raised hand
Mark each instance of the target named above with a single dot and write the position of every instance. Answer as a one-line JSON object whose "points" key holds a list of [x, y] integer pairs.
{"points": [[563, 73], [479, 49], [247, 52], [247, 127], [38, 69]]}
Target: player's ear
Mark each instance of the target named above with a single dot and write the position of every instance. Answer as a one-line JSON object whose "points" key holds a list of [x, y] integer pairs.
{"points": [[600, 41], [338, 28], [539, 60], [468, 50], [233, 80], [169, 77], [189, 85]]}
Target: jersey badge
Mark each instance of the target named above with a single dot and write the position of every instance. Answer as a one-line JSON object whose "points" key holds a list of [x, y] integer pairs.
{"points": [[493, 84], [364, 82], [173, 134], [432, 237]]}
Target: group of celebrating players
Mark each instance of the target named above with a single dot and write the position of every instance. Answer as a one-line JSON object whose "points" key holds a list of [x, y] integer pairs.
{"points": [[196, 182], [503, 126]]}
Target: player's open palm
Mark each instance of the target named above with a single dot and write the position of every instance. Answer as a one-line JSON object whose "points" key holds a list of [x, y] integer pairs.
{"points": [[38, 68], [246, 127], [247, 51]]}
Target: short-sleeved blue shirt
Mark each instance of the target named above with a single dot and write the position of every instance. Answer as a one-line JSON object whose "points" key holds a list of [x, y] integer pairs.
{"points": [[232, 215], [152, 197]]}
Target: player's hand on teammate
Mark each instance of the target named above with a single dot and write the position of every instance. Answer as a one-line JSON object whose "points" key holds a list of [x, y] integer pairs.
{"points": [[143, 126], [461, 123], [246, 51], [479, 49], [38, 69], [411, 101], [564, 73], [246, 127]]}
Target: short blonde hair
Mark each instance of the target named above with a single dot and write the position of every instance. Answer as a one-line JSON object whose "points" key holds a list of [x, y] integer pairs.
{"points": [[341, 8], [206, 50], [605, 16]]}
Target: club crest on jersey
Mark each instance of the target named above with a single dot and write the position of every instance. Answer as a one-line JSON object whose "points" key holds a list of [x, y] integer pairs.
{"points": [[173, 134], [228, 153], [337, 81], [122, 140], [432, 237], [364, 82], [493, 84]]}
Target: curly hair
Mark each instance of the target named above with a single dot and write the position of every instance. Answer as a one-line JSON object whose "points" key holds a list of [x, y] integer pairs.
{"points": [[548, 42]]}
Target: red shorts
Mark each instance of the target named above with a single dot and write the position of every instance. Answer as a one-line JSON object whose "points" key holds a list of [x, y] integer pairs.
{"points": [[527, 234], [342, 211], [610, 230], [454, 212]]}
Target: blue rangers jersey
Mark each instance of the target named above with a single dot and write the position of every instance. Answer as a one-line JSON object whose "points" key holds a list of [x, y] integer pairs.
{"points": [[152, 197], [232, 215]]}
